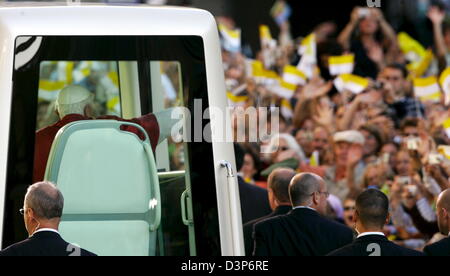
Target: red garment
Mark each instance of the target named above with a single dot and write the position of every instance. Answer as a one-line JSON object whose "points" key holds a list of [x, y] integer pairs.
{"points": [[45, 137]]}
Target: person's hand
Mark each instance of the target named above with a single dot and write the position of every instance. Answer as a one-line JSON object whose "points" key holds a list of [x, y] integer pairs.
{"points": [[325, 29], [434, 171], [358, 121], [355, 16], [316, 88], [425, 146], [377, 14], [370, 98], [324, 115], [421, 189], [436, 15], [355, 155]]}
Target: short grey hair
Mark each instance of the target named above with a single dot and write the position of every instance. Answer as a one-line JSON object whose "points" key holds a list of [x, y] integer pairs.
{"points": [[302, 187], [45, 199]]}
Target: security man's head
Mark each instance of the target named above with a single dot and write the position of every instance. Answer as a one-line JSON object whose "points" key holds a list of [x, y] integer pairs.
{"points": [[372, 211], [43, 207], [443, 212], [278, 187], [309, 190]]}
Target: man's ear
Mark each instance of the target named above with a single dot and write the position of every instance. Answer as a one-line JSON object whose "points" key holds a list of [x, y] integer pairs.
{"points": [[31, 213], [316, 198]]}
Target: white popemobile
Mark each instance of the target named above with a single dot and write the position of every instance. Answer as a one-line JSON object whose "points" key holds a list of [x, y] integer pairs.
{"points": [[118, 200]]}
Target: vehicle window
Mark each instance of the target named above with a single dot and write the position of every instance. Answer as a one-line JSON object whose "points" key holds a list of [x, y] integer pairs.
{"points": [[128, 78]]}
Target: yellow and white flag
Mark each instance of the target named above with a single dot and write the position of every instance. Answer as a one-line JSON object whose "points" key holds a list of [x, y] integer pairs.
{"points": [[314, 161], [414, 52], [419, 58], [444, 80], [308, 53], [286, 109], [236, 101], [294, 76], [284, 89], [266, 37], [262, 76], [427, 89], [340, 65], [418, 69], [445, 151], [231, 39], [352, 83]]}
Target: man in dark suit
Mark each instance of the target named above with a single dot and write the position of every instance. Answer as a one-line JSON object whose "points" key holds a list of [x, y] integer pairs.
{"points": [[43, 208], [278, 187], [303, 231], [442, 248], [371, 214], [254, 200]]}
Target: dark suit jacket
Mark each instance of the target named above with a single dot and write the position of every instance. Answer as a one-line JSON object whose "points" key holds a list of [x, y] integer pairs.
{"points": [[44, 243], [374, 244], [441, 248], [302, 232], [254, 201], [250, 226]]}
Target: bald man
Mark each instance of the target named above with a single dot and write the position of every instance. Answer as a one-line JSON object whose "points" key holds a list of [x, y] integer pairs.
{"points": [[303, 231], [74, 103], [278, 188], [442, 248], [42, 212]]}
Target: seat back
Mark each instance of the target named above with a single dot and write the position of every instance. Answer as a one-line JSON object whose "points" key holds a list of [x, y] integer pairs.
{"points": [[110, 185]]}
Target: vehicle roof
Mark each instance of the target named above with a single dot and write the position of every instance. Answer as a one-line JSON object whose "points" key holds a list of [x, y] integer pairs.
{"points": [[44, 18]]}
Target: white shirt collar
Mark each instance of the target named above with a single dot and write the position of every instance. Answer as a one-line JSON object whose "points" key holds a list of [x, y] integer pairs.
{"points": [[46, 230], [370, 234], [304, 207]]}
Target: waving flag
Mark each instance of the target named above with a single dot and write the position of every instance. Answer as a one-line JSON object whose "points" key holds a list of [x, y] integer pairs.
{"points": [[236, 101], [352, 83], [231, 39], [427, 89], [444, 80], [308, 53], [447, 127], [284, 90], [340, 65], [445, 151], [294, 76]]}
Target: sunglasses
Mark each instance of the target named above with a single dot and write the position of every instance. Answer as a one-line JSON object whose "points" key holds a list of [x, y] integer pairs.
{"points": [[349, 208]]}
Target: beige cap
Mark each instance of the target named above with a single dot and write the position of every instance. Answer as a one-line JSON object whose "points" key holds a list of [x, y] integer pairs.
{"points": [[73, 94], [351, 136]]}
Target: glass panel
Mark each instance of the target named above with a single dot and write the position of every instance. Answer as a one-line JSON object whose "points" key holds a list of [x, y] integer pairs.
{"points": [[100, 77], [178, 227]]}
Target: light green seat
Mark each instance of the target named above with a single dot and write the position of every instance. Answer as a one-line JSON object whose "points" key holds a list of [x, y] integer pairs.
{"points": [[110, 185]]}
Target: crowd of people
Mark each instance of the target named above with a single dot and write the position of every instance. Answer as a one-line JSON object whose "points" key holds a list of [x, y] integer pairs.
{"points": [[386, 136]]}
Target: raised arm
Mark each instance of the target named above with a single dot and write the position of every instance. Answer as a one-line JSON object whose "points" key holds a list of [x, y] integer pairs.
{"points": [[346, 34], [437, 16]]}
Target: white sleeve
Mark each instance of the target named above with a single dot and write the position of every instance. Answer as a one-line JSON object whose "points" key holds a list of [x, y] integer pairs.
{"points": [[426, 211]]}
